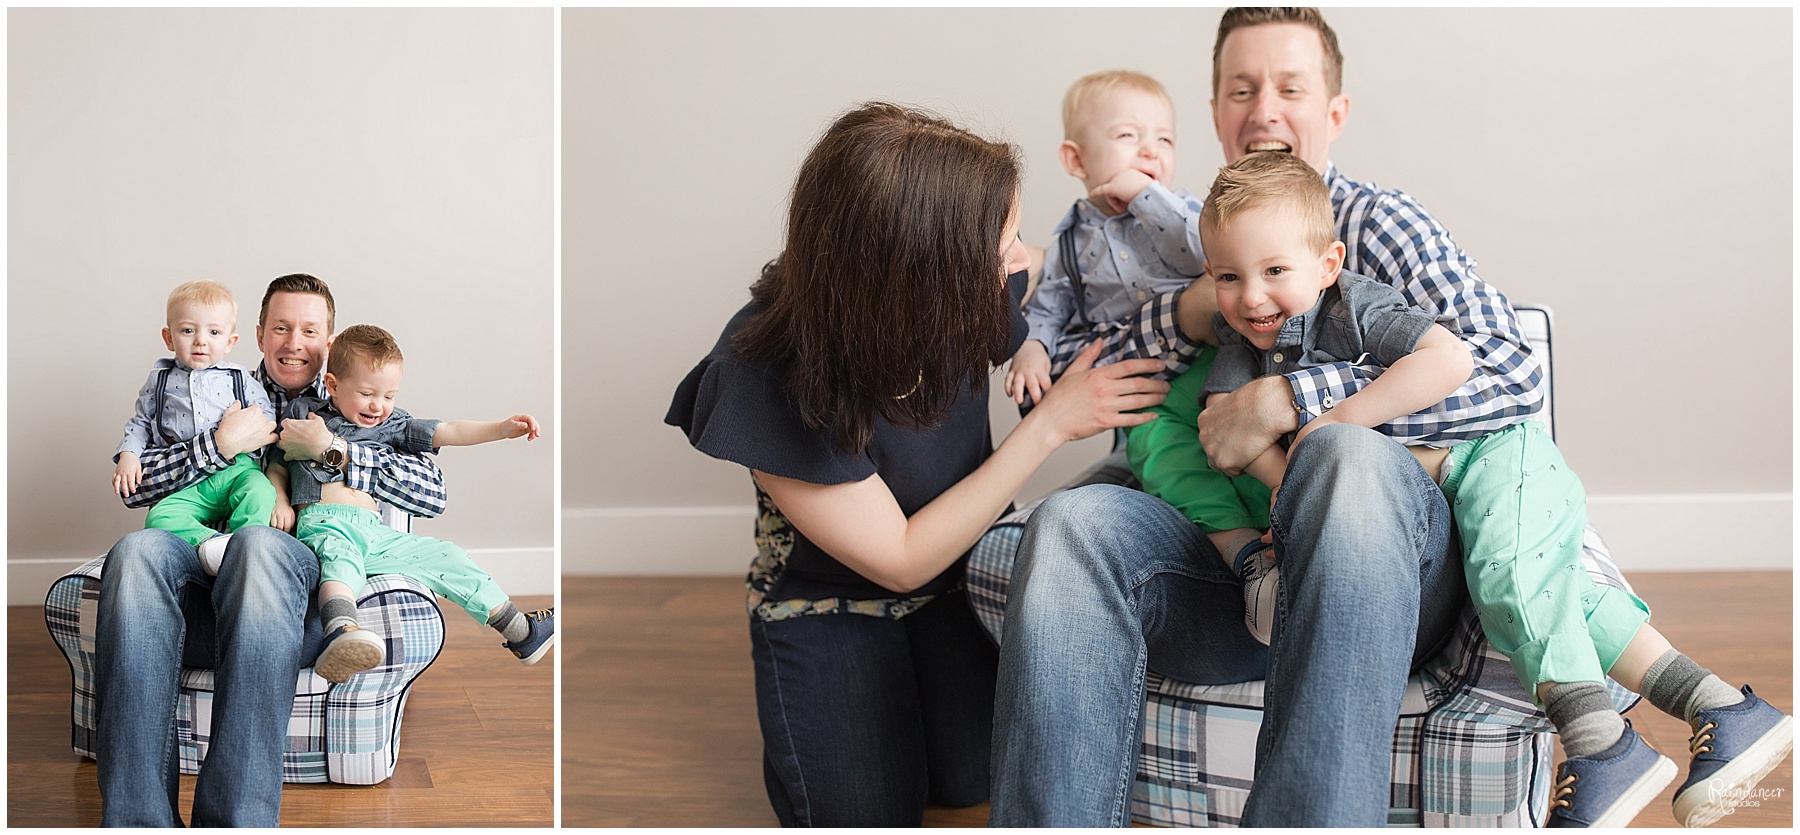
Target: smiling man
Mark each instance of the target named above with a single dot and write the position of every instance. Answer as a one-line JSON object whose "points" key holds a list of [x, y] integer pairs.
{"points": [[1371, 581], [254, 622]]}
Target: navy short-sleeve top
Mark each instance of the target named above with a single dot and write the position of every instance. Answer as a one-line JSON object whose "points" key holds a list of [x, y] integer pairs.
{"points": [[736, 410]]}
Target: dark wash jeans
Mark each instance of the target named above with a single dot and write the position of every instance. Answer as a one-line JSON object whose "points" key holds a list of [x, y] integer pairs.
{"points": [[864, 718]]}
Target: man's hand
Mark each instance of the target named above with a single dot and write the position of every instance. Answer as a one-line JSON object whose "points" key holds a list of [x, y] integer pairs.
{"points": [[305, 439], [1029, 372], [1116, 194], [518, 425], [1194, 310], [127, 475], [242, 429], [1235, 428]]}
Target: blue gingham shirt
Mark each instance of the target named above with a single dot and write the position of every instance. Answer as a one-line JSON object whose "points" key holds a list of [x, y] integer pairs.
{"points": [[1390, 237], [193, 400], [412, 483], [1151, 248]]}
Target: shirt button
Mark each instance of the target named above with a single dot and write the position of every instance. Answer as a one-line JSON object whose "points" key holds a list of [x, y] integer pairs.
{"points": [[1140, 295], [1125, 255], [1276, 357], [1327, 402]]}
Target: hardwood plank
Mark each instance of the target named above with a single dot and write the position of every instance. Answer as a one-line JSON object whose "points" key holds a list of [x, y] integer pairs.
{"points": [[660, 714], [476, 745]]}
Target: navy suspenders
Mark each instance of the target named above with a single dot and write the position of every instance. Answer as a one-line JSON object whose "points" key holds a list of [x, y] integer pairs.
{"points": [[162, 393], [1066, 249]]}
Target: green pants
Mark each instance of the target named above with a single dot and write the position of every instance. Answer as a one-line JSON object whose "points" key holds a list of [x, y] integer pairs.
{"points": [[352, 545], [238, 495], [1521, 514]]}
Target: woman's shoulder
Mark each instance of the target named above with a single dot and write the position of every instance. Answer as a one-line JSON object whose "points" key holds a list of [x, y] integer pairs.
{"points": [[736, 409]]}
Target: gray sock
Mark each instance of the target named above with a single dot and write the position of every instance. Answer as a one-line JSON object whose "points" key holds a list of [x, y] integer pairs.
{"points": [[510, 623], [1584, 717], [336, 611], [1679, 687]]}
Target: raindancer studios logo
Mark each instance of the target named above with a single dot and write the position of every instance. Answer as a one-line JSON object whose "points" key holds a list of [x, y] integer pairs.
{"points": [[1743, 796]]}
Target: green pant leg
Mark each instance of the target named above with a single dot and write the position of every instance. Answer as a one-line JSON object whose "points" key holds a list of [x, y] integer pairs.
{"points": [[441, 566], [1521, 512], [189, 512], [249, 494], [338, 540]]}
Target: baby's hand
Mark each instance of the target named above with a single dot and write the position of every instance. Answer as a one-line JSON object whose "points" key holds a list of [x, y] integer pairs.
{"points": [[127, 474], [1030, 372], [283, 517], [522, 425], [1123, 188]]}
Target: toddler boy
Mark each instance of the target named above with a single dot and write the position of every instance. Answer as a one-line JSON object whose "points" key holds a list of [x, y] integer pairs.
{"points": [[339, 523], [1284, 304], [185, 396], [1129, 239]]}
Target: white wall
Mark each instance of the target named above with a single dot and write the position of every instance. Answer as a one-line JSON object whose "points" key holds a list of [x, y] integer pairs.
{"points": [[1629, 168], [404, 156]]}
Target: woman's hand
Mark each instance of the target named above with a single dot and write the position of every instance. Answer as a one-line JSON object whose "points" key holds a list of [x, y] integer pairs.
{"points": [[1089, 400]]}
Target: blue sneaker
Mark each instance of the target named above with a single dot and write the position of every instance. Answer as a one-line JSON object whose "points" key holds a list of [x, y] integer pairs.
{"points": [[1734, 747], [349, 649], [1611, 787], [543, 634]]}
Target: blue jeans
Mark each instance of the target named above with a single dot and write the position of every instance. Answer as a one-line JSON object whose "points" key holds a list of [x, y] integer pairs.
{"points": [[1110, 581], [254, 624], [864, 718]]}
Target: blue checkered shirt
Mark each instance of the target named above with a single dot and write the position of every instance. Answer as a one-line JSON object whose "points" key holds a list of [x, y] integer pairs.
{"points": [[412, 483], [1387, 236]]}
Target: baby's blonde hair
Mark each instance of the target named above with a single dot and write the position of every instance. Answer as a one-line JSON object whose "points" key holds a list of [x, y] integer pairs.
{"points": [[203, 291], [1092, 85], [1266, 178]]}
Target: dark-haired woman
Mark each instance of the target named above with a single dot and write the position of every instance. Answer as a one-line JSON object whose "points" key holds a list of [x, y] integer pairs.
{"points": [[854, 387]]}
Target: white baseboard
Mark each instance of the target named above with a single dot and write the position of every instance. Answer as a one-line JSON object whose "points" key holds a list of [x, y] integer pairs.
{"points": [[517, 570], [1730, 531], [1697, 531]]}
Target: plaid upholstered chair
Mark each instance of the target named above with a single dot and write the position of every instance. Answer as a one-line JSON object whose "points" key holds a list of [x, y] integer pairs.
{"points": [[342, 733], [1469, 749]]}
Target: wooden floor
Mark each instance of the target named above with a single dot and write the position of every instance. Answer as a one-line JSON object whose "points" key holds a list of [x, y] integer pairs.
{"points": [[659, 718], [476, 744]]}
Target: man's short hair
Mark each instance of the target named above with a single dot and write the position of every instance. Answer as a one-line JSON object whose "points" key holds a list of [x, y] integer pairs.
{"points": [[1271, 178], [373, 347], [1243, 17], [1092, 85], [300, 283], [203, 291]]}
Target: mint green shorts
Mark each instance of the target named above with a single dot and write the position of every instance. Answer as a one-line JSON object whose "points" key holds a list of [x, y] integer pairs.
{"points": [[352, 545], [1521, 514]]}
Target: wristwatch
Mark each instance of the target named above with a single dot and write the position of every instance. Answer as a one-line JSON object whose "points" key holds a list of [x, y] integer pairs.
{"points": [[338, 454]]}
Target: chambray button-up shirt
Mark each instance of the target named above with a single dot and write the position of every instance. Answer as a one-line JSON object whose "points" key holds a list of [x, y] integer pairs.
{"points": [[1160, 226], [193, 401]]}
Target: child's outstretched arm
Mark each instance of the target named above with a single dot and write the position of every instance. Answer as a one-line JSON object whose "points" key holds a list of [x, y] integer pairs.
{"points": [[472, 432], [1438, 365]]}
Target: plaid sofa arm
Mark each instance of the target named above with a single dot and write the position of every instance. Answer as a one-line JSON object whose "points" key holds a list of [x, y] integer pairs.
{"points": [[346, 733]]}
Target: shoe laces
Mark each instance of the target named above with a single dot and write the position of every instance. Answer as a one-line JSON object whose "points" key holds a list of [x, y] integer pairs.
{"points": [[540, 615], [1702, 735], [1565, 788]]}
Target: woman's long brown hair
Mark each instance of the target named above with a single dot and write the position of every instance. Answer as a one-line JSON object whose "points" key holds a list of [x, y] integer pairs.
{"points": [[887, 300]]}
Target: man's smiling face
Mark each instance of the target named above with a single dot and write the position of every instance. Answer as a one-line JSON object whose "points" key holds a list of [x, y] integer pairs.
{"points": [[292, 337], [1272, 94]]}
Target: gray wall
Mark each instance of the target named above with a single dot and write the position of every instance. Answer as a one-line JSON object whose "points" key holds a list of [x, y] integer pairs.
{"points": [[1629, 168], [404, 156]]}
